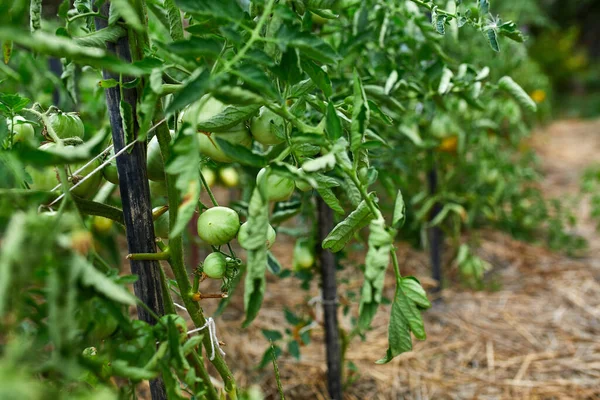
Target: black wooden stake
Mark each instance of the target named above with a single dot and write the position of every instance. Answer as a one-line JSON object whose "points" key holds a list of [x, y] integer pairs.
{"points": [[436, 236], [329, 294], [135, 195]]}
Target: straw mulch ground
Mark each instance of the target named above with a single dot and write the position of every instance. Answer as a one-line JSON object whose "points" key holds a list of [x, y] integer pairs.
{"points": [[537, 337]]}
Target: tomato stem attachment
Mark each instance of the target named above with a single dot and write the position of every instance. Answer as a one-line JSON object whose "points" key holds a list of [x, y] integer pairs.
{"points": [[163, 255], [199, 296]]}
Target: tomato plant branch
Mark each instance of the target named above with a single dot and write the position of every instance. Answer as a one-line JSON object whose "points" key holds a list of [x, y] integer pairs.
{"points": [[162, 255], [90, 207], [254, 36]]}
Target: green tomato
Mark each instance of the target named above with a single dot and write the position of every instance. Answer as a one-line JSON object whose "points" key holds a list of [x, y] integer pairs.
{"points": [[279, 188], [157, 189], [218, 225], [303, 256], [67, 125], [23, 131], [210, 148], [90, 186], [214, 265], [42, 179], [154, 161], [110, 173], [264, 126], [204, 109], [161, 226], [102, 225], [229, 176], [243, 236], [209, 176]]}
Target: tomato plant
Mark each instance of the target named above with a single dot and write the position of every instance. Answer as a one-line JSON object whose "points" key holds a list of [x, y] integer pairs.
{"points": [[326, 114]]}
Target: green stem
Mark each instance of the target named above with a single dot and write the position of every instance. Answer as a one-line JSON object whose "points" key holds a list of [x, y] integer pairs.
{"points": [[196, 360], [168, 300], [163, 255], [395, 263], [210, 193], [88, 14], [178, 266], [430, 7], [253, 37], [363, 192], [102, 210]]}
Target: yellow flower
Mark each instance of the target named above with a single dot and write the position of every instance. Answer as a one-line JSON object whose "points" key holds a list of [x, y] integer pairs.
{"points": [[538, 95]]}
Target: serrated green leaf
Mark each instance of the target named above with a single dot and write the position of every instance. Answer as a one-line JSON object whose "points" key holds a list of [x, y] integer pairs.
{"points": [[224, 9], [255, 282], [184, 167], [240, 153], [343, 232], [333, 123], [331, 200], [195, 87], [360, 114], [376, 262], [228, 118], [91, 277], [125, 10], [196, 47], [318, 76], [399, 215], [507, 84], [492, 37], [326, 162], [61, 47], [174, 17], [100, 37], [406, 317]]}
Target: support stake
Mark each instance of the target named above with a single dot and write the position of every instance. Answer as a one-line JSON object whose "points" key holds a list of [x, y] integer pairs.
{"points": [[329, 294]]}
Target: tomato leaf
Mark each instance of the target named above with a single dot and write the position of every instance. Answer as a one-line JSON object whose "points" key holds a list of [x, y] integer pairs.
{"points": [[228, 118], [184, 165], [255, 282], [399, 215], [195, 87], [345, 230], [241, 154], [376, 262], [507, 84], [405, 317]]}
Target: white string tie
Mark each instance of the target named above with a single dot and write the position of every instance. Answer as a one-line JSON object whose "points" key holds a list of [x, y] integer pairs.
{"points": [[212, 333]]}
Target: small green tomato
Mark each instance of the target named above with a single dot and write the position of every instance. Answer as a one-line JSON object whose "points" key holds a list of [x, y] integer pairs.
{"points": [[264, 126], [218, 225], [157, 189], [209, 176], [303, 256], [278, 187], [243, 236], [23, 131], [214, 265], [110, 173], [229, 176], [161, 226]]}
